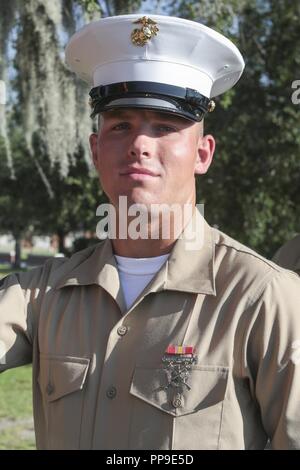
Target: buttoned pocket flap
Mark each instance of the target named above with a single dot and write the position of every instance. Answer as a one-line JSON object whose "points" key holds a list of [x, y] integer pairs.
{"points": [[206, 386], [62, 375]]}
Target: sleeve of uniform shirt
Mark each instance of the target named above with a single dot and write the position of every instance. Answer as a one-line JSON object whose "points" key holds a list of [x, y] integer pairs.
{"points": [[20, 296], [271, 358]]}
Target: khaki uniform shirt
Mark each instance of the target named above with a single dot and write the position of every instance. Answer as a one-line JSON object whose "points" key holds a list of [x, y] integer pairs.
{"points": [[98, 376], [288, 256]]}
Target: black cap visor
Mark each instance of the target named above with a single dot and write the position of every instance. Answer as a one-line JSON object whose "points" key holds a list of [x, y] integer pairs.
{"points": [[182, 102]]}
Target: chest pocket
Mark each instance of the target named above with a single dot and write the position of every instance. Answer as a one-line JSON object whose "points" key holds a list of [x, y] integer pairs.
{"points": [[62, 380], [163, 419]]}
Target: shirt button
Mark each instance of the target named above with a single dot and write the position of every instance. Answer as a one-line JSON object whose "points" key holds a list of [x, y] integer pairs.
{"points": [[177, 402], [122, 330], [49, 389], [111, 392]]}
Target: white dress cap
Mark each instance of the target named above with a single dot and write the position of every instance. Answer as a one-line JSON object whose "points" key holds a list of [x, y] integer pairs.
{"points": [[182, 53], [155, 49]]}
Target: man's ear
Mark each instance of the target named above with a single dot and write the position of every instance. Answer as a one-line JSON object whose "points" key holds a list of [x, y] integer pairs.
{"points": [[93, 146], [206, 148]]}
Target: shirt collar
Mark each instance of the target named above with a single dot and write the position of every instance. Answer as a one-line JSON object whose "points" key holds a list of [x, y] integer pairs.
{"points": [[191, 262], [189, 268]]}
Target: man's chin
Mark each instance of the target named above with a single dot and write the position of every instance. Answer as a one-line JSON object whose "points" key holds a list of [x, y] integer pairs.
{"points": [[141, 199]]}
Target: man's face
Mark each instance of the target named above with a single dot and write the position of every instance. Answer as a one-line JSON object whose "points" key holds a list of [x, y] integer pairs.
{"points": [[150, 157]]}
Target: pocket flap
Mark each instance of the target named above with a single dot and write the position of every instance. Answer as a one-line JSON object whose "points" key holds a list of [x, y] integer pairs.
{"points": [[61, 375], [207, 388]]}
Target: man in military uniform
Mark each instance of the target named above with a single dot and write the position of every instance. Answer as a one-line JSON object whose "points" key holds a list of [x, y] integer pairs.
{"points": [[165, 342], [288, 256]]}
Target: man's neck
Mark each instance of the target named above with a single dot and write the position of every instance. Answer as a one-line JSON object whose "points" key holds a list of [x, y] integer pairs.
{"points": [[142, 248], [150, 246]]}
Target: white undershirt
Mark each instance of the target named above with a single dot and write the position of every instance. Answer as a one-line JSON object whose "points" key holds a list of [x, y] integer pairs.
{"points": [[136, 273]]}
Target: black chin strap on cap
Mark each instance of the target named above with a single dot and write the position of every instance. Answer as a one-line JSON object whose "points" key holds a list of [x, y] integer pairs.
{"points": [[185, 102]]}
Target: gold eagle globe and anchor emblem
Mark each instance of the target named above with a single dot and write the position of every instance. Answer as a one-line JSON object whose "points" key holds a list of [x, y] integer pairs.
{"points": [[141, 36]]}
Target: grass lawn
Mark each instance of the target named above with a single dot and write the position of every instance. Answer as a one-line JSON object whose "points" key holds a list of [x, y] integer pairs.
{"points": [[16, 428], [17, 437], [16, 409], [15, 393]]}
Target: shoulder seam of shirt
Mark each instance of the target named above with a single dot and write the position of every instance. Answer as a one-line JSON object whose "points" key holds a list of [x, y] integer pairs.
{"points": [[29, 332], [56, 263], [269, 276], [270, 263]]}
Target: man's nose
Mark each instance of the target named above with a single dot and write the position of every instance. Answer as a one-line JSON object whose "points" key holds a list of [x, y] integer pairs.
{"points": [[142, 146]]}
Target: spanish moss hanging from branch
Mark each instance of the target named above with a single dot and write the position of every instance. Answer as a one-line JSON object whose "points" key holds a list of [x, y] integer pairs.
{"points": [[7, 19], [50, 104]]}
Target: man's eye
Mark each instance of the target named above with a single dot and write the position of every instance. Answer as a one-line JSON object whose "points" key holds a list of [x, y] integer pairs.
{"points": [[165, 128], [121, 126]]}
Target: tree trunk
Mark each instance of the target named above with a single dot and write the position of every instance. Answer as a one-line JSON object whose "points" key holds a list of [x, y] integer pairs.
{"points": [[17, 260], [61, 241]]}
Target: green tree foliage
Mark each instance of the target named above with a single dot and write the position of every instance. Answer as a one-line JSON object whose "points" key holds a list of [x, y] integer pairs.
{"points": [[25, 204], [252, 189], [18, 203], [73, 207]]}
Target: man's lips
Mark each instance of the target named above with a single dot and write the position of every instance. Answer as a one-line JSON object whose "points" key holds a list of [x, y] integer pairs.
{"points": [[137, 171]]}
